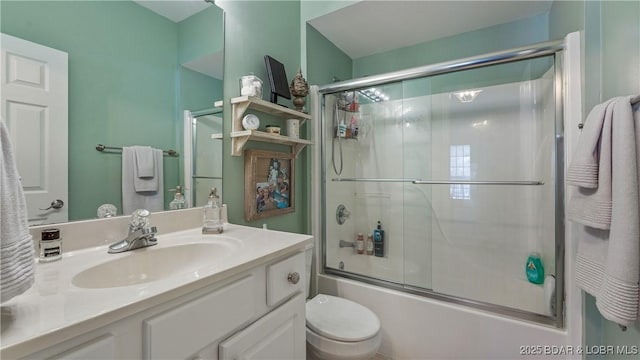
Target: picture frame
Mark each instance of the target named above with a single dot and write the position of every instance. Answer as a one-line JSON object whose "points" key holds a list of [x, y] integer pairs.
{"points": [[269, 184]]}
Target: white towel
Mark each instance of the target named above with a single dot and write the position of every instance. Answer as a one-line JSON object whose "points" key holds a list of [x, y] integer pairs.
{"points": [[590, 170], [16, 245], [145, 164], [132, 199], [608, 262]]}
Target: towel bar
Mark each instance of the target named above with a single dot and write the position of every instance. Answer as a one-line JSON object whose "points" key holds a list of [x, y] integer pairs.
{"points": [[101, 147]]}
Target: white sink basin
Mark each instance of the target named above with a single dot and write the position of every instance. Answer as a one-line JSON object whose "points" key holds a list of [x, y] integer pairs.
{"points": [[151, 264]]}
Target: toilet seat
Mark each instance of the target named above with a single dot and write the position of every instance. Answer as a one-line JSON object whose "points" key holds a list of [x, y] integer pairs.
{"points": [[341, 319]]}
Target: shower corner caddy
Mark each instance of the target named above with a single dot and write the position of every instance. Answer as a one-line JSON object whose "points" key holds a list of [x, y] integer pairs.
{"points": [[239, 137]]}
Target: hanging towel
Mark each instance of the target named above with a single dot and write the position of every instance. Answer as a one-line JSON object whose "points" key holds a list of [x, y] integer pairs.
{"points": [[16, 245], [145, 164], [608, 262], [591, 170], [132, 199], [145, 175]]}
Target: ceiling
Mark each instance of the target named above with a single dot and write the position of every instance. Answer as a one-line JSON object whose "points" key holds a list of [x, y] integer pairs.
{"points": [[373, 26], [174, 10], [370, 27]]}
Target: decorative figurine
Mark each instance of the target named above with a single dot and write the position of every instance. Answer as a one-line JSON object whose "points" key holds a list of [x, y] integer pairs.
{"points": [[299, 89]]}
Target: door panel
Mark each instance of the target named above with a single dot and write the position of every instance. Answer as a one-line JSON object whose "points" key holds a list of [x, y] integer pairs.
{"points": [[34, 95]]}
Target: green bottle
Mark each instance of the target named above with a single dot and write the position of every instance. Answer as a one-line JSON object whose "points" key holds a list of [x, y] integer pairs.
{"points": [[534, 269]]}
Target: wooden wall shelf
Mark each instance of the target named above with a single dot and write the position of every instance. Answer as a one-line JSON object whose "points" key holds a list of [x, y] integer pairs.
{"points": [[239, 136]]}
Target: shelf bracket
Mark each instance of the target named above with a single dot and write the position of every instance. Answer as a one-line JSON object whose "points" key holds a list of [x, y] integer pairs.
{"points": [[239, 109], [296, 149], [238, 144]]}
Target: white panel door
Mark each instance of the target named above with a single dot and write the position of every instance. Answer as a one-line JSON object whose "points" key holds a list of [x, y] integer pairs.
{"points": [[34, 95]]}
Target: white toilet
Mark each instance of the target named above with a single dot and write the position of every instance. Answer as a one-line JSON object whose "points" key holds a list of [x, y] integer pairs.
{"points": [[339, 329]]}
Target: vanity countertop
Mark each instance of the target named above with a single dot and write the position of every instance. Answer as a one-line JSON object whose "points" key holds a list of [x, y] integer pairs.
{"points": [[55, 310]]}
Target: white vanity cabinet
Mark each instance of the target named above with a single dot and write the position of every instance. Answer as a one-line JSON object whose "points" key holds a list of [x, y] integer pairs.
{"points": [[258, 313], [281, 333]]}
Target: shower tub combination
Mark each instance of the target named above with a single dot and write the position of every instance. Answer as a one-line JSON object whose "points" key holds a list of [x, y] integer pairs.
{"points": [[462, 163]]}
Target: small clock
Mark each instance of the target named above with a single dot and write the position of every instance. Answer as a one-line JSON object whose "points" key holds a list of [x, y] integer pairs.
{"points": [[250, 122]]}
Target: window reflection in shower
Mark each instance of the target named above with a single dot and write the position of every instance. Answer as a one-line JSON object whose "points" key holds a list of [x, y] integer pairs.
{"points": [[460, 170]]}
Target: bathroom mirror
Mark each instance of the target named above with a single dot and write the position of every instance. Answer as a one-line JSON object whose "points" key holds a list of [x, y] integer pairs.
{"points": [[133, 68]]}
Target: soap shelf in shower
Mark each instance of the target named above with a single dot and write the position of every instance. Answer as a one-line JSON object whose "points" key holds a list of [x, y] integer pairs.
{"points": [[240, 137]]}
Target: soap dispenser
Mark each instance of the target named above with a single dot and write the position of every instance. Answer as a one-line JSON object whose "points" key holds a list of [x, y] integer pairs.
{"points": [[212, 215], [178, 201]]}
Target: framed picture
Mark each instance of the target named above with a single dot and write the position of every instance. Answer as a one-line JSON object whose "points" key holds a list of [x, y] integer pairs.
{"points": [[268, 184]]}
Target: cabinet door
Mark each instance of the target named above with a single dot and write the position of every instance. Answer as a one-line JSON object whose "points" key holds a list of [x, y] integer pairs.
{"points": [[278, 335], [189, 327]]}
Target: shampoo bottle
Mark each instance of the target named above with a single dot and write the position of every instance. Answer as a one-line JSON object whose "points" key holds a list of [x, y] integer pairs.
{"points": [[360, 243], [212, 215], [378, 241], [369, 245]]}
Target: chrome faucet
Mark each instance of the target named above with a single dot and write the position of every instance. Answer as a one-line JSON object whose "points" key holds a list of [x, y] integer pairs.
{"points": [[141, 234]]}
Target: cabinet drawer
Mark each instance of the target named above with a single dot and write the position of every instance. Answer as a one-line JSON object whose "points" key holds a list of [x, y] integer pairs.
{"points": [[281, 282], [205, 319]]}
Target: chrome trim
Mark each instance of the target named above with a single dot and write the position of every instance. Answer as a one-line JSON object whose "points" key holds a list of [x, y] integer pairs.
{"points": [[494, 58], [323, 183], [492, 308], [559, 195]]}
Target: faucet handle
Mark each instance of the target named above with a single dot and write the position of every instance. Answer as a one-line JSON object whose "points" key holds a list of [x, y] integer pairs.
{"points": [[139, 219]]}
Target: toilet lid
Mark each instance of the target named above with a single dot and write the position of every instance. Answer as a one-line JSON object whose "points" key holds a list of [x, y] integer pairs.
{"points": [[341, 319]]}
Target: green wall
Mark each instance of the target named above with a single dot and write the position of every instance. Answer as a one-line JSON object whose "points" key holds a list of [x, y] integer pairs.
{"points": [[201, 34], [254, 29], [125, 84], [325, 60]]}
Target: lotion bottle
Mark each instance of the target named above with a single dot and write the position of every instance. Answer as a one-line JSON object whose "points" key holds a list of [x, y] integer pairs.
{"points": [[360, 243], [212, 215], [178, 199], [369, 245]]}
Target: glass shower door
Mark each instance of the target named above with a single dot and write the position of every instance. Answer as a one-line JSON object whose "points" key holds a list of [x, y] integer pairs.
{"points": [[494, 146], [459, 169]]}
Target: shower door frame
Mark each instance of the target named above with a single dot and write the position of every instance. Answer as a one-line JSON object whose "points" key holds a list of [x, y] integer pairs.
{"points": [[554, 48]]}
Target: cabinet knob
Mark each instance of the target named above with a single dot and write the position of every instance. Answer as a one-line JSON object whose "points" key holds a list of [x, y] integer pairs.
{"points": [[293, 277]]}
